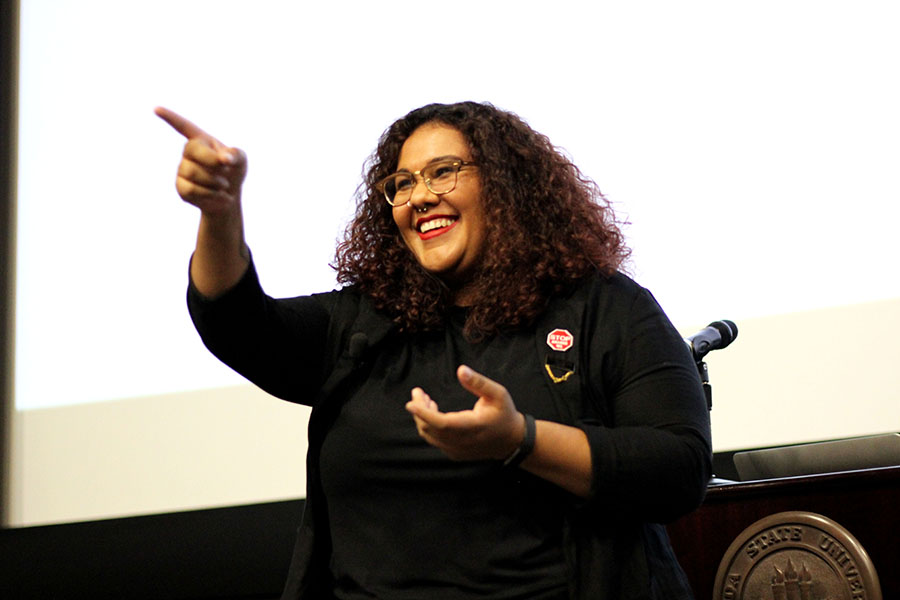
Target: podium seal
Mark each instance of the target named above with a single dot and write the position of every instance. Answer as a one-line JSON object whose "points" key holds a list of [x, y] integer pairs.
{"points": [[796, 556]]}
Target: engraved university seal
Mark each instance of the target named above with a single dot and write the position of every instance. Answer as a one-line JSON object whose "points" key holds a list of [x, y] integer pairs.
{"points": [[796, 556]]}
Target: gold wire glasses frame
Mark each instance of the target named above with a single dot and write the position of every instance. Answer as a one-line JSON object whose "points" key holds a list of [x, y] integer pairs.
{"points": [[440, 178]]}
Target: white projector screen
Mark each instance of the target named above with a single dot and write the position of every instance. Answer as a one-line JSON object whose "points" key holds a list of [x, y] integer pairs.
{"points": [[752, 148]]}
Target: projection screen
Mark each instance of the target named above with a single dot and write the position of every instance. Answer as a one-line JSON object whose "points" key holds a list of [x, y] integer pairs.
{"points": [[751, 148]]}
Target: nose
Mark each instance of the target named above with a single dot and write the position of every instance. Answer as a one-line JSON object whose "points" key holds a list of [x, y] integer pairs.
{"points": [[421, 197]]}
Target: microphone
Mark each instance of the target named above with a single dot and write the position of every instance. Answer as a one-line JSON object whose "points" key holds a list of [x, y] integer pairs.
{"points": [[359, 343], [714, 336]]}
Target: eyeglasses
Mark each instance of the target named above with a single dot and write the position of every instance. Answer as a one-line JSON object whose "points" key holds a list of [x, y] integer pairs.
{"points": [[440, 178]]}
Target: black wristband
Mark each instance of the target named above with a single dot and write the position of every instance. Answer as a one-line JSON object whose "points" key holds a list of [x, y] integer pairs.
{"points": [[527, 445]]}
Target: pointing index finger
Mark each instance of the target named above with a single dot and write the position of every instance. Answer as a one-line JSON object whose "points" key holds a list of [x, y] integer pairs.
{"points": [[180, 124]]}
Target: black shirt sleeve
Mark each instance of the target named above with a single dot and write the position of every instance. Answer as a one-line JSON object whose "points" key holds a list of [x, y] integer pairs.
{"points": [[276, 344], [651, 452]]}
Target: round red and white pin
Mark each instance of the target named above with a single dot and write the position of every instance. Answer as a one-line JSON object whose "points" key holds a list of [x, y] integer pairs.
{"points": [[560, 339]]}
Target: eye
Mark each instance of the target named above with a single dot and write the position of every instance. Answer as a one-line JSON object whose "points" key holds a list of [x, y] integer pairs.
{"points": [[442, 171], [403, 182]]}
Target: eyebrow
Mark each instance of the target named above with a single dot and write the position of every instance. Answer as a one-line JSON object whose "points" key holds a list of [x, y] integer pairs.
{"points": [[434, 160]]}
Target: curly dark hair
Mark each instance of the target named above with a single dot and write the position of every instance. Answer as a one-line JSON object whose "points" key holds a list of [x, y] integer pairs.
{"points": [[557, 228]]}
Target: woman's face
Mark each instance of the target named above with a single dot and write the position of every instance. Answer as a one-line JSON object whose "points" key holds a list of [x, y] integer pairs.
{"points": [[454, 224]]}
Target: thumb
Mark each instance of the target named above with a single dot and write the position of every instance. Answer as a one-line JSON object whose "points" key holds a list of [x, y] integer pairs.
{"points": [[481, 386], [233, 157]]}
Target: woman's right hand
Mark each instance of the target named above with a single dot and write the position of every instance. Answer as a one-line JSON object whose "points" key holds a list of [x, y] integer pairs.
{"points": [[210, 174]]}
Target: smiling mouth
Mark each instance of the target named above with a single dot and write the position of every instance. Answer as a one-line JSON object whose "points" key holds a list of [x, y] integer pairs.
{"points": [[434, 227]]}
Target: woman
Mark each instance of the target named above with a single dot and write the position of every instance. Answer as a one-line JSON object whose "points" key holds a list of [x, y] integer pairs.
{"points": [[497, 412]]}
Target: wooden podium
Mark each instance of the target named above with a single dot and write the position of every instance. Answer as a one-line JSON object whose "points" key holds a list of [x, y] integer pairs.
{"points": [[866, 503]]}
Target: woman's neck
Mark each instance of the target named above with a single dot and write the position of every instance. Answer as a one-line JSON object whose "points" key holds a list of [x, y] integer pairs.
{"points": [[463, 295]]}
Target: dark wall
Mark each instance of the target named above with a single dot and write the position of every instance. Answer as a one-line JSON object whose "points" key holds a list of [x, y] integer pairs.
{"points": [[234, 552]]}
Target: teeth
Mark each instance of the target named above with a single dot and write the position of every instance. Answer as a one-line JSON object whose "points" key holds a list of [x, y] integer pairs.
{"points": [[435, 224]]}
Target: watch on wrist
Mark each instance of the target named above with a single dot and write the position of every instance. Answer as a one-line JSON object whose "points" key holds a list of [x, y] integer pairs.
{"points": [[527, 445]]}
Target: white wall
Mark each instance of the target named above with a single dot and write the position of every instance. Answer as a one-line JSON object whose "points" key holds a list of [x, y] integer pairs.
{"points": [[183, 451]]}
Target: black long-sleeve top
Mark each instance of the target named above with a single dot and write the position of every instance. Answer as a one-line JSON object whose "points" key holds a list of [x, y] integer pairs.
{"points": [[393, 514]]}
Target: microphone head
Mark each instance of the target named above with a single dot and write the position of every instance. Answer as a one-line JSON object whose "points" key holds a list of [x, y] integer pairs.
{"points": [[359, 342], [727, 330]]}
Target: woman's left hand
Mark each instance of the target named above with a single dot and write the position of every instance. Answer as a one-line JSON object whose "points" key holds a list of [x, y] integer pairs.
{"points": [[492, 429]]}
